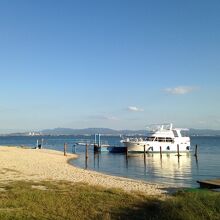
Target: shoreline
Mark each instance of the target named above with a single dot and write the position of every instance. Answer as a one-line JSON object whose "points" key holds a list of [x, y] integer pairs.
{"points": [[18, 163]]}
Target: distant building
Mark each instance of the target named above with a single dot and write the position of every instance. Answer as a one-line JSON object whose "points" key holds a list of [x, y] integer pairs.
{"points": [[32, 133]]}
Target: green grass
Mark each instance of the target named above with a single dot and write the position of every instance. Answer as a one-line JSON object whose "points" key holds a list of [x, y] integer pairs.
{"points": [[63, 200]]}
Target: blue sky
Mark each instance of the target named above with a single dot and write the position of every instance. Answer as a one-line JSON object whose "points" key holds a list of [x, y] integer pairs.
{"points": [[109, 63]]}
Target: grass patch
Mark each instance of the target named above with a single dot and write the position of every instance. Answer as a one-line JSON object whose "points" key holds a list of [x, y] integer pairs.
{"points": [[63, 200]]}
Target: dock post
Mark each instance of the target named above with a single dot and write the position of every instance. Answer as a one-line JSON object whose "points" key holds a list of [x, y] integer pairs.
{"points": [[99, 140], [160, 152], [37, 144], [74, 148], [126, 151], [64, 149], [144, 156], [126, 156], [42, 141], [94, 156], [86, 155], [178, 150], [196, 151]]}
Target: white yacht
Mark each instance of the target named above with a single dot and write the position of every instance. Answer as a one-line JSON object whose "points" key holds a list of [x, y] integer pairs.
{"points": [[163, 138]]}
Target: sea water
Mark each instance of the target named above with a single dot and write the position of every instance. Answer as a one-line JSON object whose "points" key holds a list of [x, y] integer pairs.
{"points": [[178, 171]]}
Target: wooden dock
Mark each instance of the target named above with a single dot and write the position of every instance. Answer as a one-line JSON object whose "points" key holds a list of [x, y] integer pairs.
{"points": [[210, 184]]}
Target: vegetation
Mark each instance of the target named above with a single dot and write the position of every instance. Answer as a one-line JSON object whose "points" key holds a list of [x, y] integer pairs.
{"points": [[63, 200]]}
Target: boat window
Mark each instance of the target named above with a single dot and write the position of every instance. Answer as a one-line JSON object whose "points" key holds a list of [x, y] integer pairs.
{"points": [[150, 138], [161, 139], [175, 133], [169, 139]]}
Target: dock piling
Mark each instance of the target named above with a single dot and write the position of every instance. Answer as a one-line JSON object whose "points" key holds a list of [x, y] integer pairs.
{"points": [[99, 140], [42, 141], [86, 156], [160, 152], [196, 150], [178, 150], [144, 159], [126, 156], [126, 151], [74, 148], [64, 149]]}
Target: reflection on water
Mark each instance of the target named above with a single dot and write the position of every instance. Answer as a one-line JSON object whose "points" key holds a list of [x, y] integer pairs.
{"points": [[169, 168]]}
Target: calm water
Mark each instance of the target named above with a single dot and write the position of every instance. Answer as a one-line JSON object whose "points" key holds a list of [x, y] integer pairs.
{"points": [[182, 172]]}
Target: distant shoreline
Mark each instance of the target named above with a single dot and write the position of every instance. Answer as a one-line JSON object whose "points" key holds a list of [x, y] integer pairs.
{"points": [[103, 131]]}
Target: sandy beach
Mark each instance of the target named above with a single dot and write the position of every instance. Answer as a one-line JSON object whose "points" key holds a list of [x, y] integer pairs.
{"points": [[42, 164]]}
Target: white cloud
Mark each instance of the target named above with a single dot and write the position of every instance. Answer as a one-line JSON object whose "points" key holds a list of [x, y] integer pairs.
{"points": [[134, 109], [181, 90]]}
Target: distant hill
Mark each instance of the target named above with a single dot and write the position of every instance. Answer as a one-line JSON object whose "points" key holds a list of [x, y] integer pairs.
{"points": [[86, 131], [106, 131], [91, 131]]}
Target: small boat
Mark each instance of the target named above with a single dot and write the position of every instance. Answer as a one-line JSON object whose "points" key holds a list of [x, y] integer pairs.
{"points": [[115, 149], [101, 148], [163, 138]]}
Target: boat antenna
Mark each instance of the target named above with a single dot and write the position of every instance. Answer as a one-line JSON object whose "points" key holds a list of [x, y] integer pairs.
{"points": [[171, 126]]}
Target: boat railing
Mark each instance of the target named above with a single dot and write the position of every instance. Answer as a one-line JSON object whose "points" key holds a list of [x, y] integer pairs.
{"points": [[135, 139]]}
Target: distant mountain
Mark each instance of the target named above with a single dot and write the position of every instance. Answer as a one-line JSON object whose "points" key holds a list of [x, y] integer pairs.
{"points": [[69, 131], [91, 131]]}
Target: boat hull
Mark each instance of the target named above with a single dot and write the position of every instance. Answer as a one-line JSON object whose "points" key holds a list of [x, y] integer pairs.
{"points": [[157, 147]]}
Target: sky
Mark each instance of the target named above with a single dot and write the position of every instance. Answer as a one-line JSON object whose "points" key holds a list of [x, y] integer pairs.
{"points": [[121, 64]]}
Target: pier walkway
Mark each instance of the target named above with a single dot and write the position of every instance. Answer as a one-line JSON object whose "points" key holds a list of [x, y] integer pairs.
{"points": [[210, 184]]}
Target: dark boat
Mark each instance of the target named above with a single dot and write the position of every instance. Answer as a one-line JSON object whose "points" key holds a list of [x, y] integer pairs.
{"points": [[116, 149]]}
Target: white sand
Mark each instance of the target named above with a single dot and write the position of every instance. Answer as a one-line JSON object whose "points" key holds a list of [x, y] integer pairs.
{"points": [[42, 164]]}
